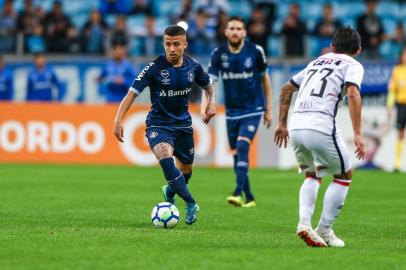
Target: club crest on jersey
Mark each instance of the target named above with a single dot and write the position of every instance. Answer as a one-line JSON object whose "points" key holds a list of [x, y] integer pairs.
{"points": [[248, 62], [153, 134], [190, 76], [165, 77]]}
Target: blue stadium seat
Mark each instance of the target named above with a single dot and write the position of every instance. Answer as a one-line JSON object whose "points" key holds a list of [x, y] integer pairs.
{"points": [[165, 7], [240, 7], [275, 46], [388, 9], [348, 9], [389, 25]]}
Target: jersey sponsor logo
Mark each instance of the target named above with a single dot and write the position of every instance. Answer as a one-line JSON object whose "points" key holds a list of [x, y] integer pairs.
{"points": [[237, 75], [248, 62], [165, 77], [190, 76], [142, 73], [173, 93]]}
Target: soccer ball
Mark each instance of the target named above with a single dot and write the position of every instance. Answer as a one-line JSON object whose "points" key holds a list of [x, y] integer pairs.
{"points": [[165, 215]]}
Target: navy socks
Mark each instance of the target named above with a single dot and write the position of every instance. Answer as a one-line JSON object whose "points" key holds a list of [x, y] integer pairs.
{"points": [[175, 179], [241, 165]]}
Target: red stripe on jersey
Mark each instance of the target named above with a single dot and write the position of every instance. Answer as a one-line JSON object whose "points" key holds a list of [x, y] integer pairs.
{"points": [[337, 181]]}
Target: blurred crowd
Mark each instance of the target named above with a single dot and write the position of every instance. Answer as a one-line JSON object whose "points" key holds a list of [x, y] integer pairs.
{"points": [[52, 31]]}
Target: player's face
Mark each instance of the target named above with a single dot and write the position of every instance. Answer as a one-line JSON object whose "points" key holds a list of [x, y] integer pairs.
{"points": [[235, 33], [40, 61], [118, 52], [174, 47]]}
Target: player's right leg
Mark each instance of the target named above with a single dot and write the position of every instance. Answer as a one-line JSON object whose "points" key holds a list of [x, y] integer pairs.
{"points": [[308, 190], [400, 125]]}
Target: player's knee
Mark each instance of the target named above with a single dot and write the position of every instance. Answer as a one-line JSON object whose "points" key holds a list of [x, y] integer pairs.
{"points": [[242, 146], [187, 176], [311, 174], [346, 175], [162, 151], [401, 133]]}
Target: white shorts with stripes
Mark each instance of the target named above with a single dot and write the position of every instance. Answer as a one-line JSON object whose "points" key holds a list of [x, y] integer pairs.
{"points": [[321, 153]]}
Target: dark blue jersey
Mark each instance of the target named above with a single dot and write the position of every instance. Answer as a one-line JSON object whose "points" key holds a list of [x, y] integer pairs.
{"points": [[170, 88], [242, 78], [113, 69], [40, 83], [6, 85]]}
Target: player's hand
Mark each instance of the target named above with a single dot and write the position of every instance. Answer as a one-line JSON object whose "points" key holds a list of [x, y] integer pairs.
{"points": [[209, 112], [360, 148], [268, 118], [281, 136], [119, 131]]}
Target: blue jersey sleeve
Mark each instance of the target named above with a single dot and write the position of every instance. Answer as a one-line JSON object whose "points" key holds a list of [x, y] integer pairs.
{"points": [[143, 79], [261, 59], [214, 65], [202, 78], [56, 82], [30, 90]]}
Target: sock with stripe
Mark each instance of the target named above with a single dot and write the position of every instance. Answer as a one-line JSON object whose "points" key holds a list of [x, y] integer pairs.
{"points": [[307, 199], [333, 203], [171, 192], [399, 150], [175, 179]]}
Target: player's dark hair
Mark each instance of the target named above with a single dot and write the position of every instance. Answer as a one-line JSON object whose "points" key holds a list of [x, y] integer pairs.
{"points": [[346, 40], [236, 18], [174, 30]]}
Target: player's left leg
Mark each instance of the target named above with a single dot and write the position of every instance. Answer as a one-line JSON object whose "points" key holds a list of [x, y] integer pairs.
{"points": [[336, 158], [184, 152]]}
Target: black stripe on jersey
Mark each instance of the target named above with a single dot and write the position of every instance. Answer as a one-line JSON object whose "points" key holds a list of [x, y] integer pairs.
{"points": [[294, 83], [340, 156]]}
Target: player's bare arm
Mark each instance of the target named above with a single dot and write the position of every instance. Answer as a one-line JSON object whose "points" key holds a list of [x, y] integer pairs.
{"points": [[208, 104], [267, 87], [122, 110], [281, 133], [163, 150], [354, 104]]}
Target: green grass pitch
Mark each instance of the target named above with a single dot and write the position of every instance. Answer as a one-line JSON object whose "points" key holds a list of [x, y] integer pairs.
{"points": [[98, 217]]}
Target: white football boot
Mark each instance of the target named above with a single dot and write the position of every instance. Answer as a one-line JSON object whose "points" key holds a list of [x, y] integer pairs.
{"points": [[331, 239], [311, 238]]}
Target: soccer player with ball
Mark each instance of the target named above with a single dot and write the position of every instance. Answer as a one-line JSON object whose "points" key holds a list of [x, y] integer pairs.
{"points": [[169, 124], [318, 145]]}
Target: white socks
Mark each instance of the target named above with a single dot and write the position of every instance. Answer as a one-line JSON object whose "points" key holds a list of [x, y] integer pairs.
{"points": [[333, 202], [307, 199]]}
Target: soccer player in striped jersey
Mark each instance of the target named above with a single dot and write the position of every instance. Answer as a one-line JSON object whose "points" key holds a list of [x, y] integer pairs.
{"points": [[242, 66], [318, 145], [397, 94]]}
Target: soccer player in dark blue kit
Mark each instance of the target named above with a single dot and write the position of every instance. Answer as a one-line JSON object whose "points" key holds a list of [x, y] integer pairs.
{"points": [[242, 66], [117, 74], [41, 80], [169, 124]]}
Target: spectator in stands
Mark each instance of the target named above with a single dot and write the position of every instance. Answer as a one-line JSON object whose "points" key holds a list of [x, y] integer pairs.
{"points": [[141, 7], [35, 43], [396, 42], [184, 13], [152, 39], [8, 27], [94, 33], [201, 39], [269, 7], [221, 28], [27, 19], [42, 81], [57, 26], [325, 28], [119, 34], [257, 28], [294, 31], [117, 75], [113, 7], [6, 82], [370, 28]]}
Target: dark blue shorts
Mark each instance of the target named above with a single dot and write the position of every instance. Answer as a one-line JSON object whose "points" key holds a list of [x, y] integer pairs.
{"points": [[245, 127], [181, 140]]}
